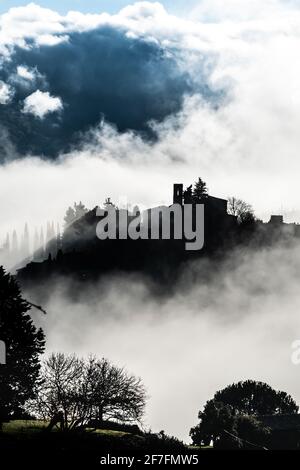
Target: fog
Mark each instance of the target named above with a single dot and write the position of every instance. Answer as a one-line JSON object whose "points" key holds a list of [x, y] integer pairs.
{"points": [[246, 145], [238, 324], [241, 322]]}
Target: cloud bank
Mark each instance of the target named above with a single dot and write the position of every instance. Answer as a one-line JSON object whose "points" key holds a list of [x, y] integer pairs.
{"points": [[217, 96], [239, 324], [97, 66], [147, 99]]}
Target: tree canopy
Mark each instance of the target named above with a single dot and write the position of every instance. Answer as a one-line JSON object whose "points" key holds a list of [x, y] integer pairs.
{"points": [[256, 398], [24, 343], [84, 391], [74, 213], [200, 190], [236, 409], [241, 209], [194, 194]]}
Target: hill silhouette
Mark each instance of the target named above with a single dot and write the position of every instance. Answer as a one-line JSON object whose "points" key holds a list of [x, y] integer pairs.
{"points": [[81, 255]]}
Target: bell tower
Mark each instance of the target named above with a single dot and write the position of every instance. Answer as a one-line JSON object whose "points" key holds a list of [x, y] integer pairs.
{"points": [[178, 194]]}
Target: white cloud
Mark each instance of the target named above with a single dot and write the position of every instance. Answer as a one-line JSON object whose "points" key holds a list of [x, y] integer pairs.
{"points": [[50, 39], [42, 103], [141, 10], [248, 146], [237, 10], [30, 21], [5, 93], [26, 73]]}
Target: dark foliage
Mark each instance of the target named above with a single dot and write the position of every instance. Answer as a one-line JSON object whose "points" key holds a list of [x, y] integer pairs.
{"points": [[24, 343], [256, 398], [231, 418], [74, 392]]}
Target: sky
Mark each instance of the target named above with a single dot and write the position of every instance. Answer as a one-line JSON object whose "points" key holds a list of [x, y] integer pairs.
{"points": [[103, 102], [94, 6], [211, 92]]}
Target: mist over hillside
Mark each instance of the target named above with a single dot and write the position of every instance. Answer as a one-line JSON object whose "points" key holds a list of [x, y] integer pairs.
{"points": [[240, 323], [118, 106]]}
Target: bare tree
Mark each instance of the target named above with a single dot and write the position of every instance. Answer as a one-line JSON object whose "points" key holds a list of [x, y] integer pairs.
{"points": [[114, 394], [239, 208], [74, 392], [62, 394]]}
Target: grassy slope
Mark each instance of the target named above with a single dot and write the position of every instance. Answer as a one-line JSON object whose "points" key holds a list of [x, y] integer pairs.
{"points": [[31, 427], [20, 427], [29, 439]]}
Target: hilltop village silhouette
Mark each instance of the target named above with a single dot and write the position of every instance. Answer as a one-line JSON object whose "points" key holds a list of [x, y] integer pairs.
{"points": [[80, 254]]}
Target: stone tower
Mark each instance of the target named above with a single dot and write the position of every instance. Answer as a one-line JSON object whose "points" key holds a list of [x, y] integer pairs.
{"points": [[178, 194]]}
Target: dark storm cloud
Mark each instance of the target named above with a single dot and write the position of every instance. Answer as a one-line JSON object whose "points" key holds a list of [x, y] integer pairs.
{"points": [[97, 74]]}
